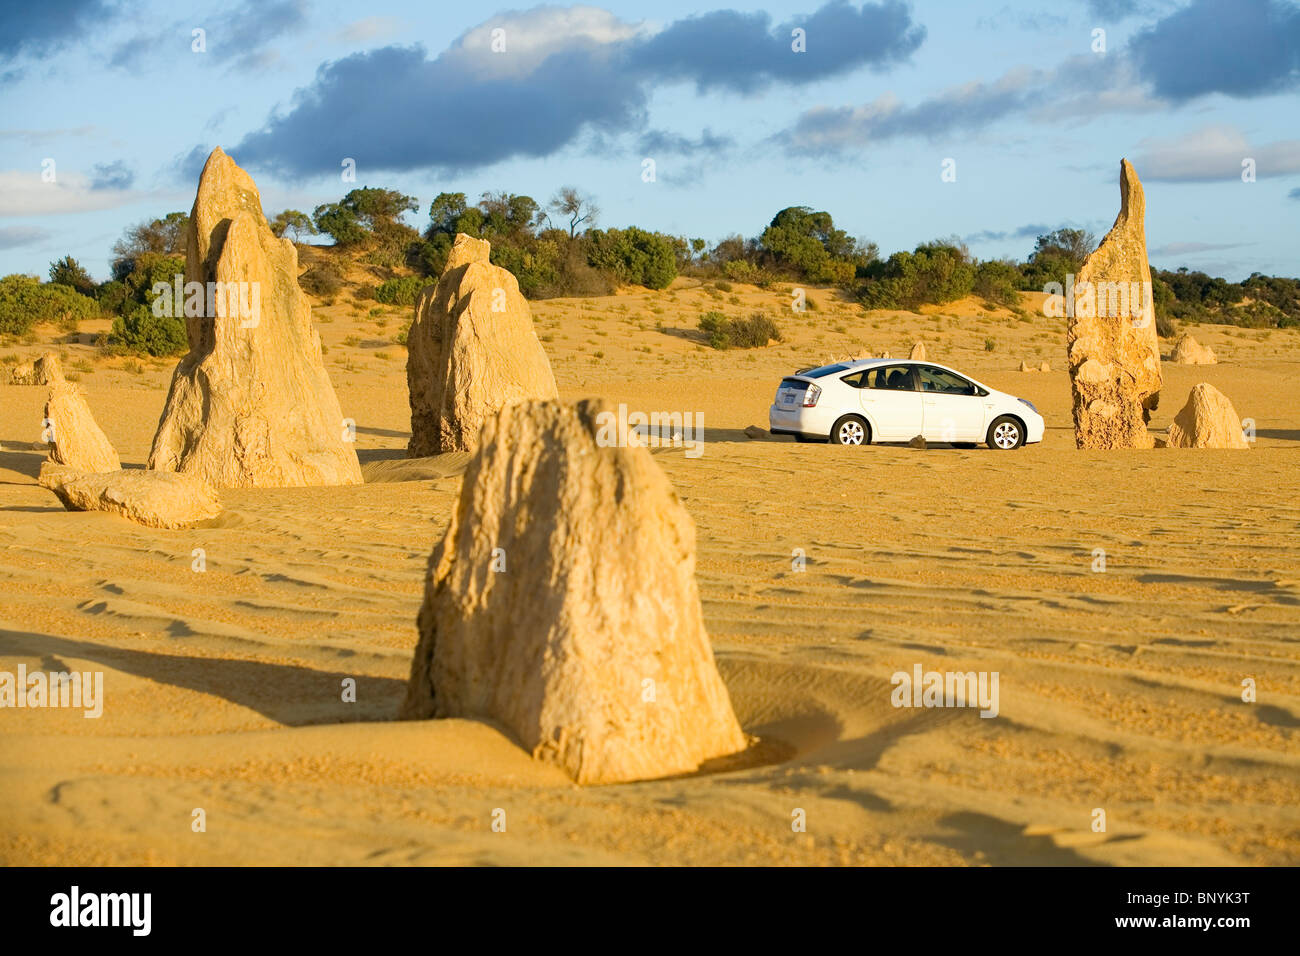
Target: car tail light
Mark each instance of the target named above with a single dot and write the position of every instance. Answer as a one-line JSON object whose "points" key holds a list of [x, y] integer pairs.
{"points": [[810, 397]]}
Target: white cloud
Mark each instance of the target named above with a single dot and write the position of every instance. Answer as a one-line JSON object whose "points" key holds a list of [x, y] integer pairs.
{"points": [[1214, 154], [533, 35], [23, 193]]}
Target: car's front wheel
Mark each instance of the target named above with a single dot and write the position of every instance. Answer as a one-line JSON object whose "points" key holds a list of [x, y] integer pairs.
{"points": [[851, 430], [1005, 434]]}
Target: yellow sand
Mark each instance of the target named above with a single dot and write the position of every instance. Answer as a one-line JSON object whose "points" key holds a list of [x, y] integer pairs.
{"points": [[1119, 691]]}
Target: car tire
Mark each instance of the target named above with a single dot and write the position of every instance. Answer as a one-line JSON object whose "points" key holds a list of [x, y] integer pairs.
{"points": [[851, 430], [1005, 434]]}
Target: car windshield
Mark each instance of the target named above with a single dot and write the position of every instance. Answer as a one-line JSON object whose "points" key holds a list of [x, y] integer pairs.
{"points": [[826, 370]]}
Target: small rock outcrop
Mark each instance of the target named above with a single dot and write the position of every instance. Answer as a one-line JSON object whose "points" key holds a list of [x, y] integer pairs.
{"points": [[250, 404], [1208, 420], [156, 499], [45, 370], [562, 604], [472, 350], [1045, 367], [1026, 367], [1188, 351], [75, 439], [918, 352], [1111, 344]]}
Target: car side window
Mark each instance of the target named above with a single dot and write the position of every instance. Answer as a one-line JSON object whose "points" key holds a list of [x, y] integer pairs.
{"points": [[857, 379], [896, 377], [941, 380]]}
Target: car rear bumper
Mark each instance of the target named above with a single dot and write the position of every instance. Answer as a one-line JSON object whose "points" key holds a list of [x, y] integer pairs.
{"points": [[798, 421]]}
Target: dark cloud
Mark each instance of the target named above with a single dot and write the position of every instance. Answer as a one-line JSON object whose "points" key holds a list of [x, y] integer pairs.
{"points": [[13, 237], [395, 108], [114, 175], [40, 26], [1031, 231], [237, 38], [662, 141], [739, 51], [1238, 47]]}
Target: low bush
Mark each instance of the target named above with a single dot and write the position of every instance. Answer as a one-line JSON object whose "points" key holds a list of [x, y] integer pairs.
{"points": [[144, 333], [401, 291], [26, 301], [725, 333]]}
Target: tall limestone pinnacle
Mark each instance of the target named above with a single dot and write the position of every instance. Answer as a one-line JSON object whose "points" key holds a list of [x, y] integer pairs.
{"points": [[1112, 348], [251, 403], [472, 351]]}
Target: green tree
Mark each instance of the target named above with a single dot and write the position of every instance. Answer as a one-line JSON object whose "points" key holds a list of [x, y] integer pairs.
{"points": [[291, 220], [68, 271], [362, 214], [339, 223], [164, 236], [1056, 255], [806, 243]]}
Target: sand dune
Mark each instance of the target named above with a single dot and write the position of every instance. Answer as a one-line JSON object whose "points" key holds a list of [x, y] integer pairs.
{"points": [[1119, 690]]}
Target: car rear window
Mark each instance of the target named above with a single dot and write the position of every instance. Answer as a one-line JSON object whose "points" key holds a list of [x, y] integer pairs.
{"points": [[826, 370]]}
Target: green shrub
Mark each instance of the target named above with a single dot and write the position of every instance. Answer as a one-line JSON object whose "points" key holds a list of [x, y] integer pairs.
{"points": [[634, 256], [724, 333], [936, 272], [26, 301], [997, 281], [401, 291], [143, 332]]}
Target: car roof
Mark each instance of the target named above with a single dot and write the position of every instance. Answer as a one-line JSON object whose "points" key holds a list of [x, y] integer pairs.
{"points": [[853, 365]]}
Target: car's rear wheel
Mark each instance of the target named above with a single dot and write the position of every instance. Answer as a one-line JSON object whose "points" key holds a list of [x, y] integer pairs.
{"points": [[851, 430], [1005, 434]]}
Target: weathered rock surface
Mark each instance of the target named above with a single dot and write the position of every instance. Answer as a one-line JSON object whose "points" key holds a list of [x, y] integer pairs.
{"points": [[1188, 351], [1111, 344], [1045, 367], [472, 350], [45, 370], [1208, 420], [251, 403], [74, 437], [157, 499], [918, 352], [1026, 367], [562, 604]]}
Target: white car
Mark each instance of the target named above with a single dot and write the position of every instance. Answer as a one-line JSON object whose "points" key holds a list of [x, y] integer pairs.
{"points": [[894, 400]]}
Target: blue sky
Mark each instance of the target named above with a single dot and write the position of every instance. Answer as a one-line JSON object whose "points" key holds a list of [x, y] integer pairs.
{"points": [[737, 123]]}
